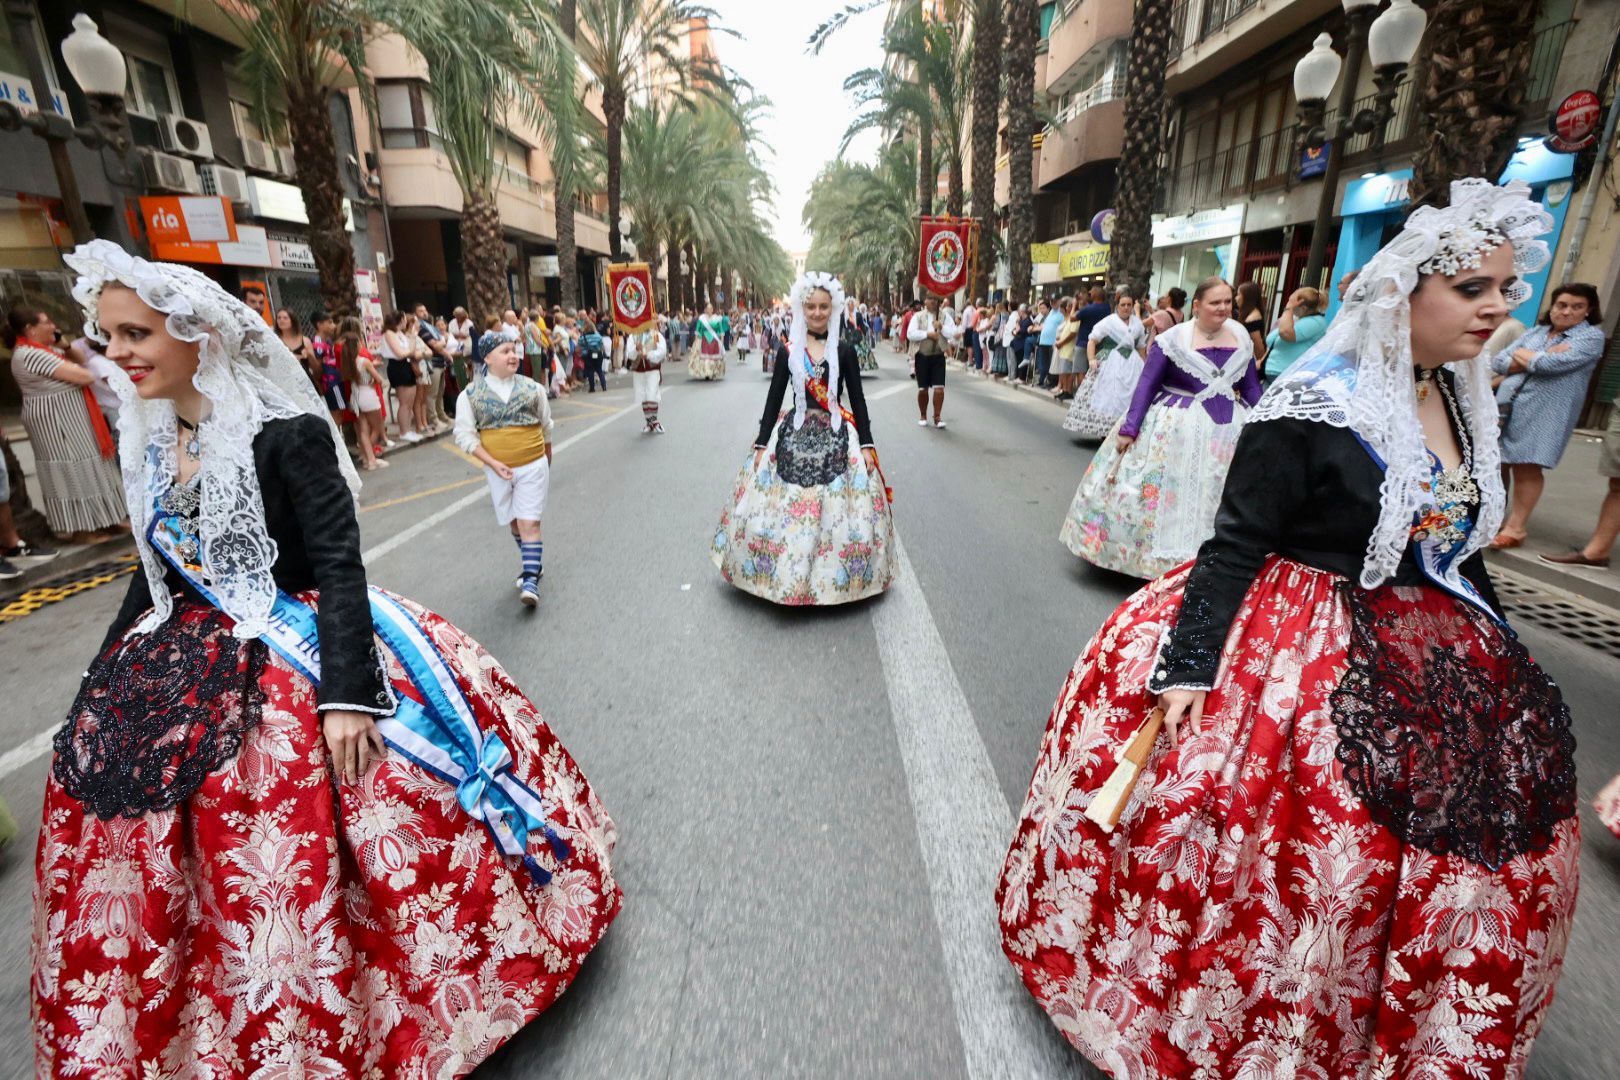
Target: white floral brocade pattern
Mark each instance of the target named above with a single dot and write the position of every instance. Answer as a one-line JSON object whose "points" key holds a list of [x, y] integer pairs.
{"points": [[1247, 918], [280, 925]]}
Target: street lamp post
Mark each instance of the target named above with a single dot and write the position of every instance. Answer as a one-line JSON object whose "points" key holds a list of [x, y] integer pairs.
{"points": [[1391, 39], [98, 68]]}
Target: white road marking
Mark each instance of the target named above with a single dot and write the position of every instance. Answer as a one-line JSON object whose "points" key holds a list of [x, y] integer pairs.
{"points": [[434, 520], [888, 391], [963, 826], [18, 756]]}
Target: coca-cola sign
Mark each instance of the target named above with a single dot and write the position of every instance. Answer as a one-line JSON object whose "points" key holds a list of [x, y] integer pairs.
{"points": [[1575, 122]]}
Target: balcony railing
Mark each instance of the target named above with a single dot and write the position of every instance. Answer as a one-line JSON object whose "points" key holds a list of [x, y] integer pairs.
{"points": [[1545, 56], [1109, 89], [1218, 13]]}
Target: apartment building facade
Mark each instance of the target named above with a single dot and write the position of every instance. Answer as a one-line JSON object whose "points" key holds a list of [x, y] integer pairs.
{"points": [[195, 135], [1240, 193]]}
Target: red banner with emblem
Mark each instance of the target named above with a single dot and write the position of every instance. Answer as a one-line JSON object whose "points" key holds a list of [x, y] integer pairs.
{"points": [[945, 253], [630, 288]]}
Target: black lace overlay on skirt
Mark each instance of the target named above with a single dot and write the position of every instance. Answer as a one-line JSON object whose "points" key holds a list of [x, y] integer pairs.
{"points": [[813, 455], [156, 714], [1469, 753]]}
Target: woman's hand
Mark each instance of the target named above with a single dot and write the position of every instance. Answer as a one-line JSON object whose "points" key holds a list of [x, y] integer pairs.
{"points": [[871, 458], [1179, 703], [353, 740], [1124, 442], [759, 455]]}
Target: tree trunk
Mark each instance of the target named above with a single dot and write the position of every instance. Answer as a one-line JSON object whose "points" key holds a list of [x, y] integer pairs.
{"points": [[483, 255], [567, 248], [310, 128], [1023, 28], [613, 113], [953, 182], [927, 172], [986, 75], [1130, 262], [1471, 94]]}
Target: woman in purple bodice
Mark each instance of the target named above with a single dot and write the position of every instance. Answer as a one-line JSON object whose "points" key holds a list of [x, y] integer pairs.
{"points": [[1149, 497]]}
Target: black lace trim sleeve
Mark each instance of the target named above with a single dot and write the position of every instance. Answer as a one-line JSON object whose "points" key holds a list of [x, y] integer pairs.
{"points": [[1266, 484]]}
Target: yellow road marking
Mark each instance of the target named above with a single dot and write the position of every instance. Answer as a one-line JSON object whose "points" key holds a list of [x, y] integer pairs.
{"points": [[28, 602], [422, 494]]}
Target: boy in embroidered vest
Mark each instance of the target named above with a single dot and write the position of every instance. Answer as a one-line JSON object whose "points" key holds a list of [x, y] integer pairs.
{"points": [[504, 420]]}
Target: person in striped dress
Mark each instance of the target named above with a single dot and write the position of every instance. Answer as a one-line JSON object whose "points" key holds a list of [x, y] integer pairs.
{"points": [[74, 452]]}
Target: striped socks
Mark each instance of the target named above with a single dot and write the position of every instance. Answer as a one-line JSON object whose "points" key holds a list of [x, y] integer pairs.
{"points": [[531, 557]]}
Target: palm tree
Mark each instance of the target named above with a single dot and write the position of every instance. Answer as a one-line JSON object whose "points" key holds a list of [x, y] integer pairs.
{"points": [[298, 51], [1471, 92], [862, 222], [927, 83], [567, 248], [985, 80], [488, 60], [1023, 32], [627, 46], [1130, 262]]}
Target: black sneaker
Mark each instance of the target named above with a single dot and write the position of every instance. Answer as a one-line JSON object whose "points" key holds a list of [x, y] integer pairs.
{"points": [[9, 571], [25, 550]]}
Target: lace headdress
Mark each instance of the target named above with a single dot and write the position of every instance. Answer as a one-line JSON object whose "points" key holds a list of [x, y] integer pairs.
{"points": [[1359, 375], [799, 334], [249, 378]]}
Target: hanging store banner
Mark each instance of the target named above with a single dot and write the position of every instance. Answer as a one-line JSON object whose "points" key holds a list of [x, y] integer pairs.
{"points": [[1042, 254], [630, 287], [943, 261]]}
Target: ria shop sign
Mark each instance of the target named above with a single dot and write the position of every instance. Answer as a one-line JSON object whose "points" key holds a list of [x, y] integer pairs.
{"points": [[1575, 122]]}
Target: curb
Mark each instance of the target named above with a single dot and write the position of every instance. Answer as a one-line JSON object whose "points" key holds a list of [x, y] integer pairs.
{"points": [[1022, 388], [1526, 564], [69, 560]]}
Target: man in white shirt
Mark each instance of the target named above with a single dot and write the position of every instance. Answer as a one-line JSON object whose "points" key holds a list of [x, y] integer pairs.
{"points": [[930, 329], [645, 353], [461, 333]]}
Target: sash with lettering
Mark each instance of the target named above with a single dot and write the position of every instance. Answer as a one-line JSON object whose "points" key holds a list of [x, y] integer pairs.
{"points": [[438, 733]]}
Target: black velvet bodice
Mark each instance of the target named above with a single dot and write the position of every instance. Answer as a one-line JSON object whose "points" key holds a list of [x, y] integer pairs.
{"points": [[310, 514], [1301, 489]]}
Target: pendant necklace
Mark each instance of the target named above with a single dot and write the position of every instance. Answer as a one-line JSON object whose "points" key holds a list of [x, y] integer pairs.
{"points": [[1425, 384], [193, 443]]}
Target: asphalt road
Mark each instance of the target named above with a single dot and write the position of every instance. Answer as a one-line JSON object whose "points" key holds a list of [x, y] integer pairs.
{"points": [[812, 805]]}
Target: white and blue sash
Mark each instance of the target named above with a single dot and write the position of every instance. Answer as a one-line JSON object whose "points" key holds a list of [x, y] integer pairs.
{"points": [[439, 733]]}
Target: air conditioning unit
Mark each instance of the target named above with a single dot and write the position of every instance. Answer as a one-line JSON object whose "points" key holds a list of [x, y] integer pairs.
{"points": [[165, 172], [258, 155], [221, 180], [182, 136], [284, 161]]}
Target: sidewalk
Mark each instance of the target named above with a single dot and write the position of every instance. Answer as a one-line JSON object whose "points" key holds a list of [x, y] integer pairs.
{"points": [[1563, 520], [75, 557]]}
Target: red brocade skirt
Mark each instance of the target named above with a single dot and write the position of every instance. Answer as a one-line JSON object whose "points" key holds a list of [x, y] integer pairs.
{"points": [[280, 923], [1251, 916]]}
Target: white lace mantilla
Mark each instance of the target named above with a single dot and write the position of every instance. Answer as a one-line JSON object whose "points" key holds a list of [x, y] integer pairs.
{"points": [[799, 335], [1358, 375], [249, 378], [1176, 344]]}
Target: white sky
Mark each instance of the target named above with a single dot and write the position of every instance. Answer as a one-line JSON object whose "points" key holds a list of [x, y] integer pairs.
{"points": [[810, 110]]}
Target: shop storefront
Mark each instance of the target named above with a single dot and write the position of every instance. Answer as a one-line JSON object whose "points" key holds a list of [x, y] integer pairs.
{"points": [[1188, 248], [1375, 206]]}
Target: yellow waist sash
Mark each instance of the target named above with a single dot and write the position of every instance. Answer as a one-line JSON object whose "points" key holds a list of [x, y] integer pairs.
{"points": [[515, 446]]}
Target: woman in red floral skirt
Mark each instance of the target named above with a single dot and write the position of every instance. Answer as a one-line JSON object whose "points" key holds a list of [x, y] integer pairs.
{"points": [[1353, 850], [295, 826]]}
